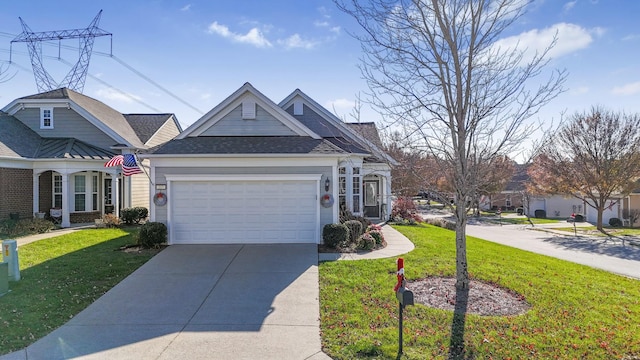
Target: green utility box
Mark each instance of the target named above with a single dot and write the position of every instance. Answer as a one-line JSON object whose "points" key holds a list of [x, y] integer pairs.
{"points": [[4, 278]]}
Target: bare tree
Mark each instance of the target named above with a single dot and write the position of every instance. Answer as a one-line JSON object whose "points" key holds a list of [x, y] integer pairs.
{"points": [[592, 157], [435, 69]]}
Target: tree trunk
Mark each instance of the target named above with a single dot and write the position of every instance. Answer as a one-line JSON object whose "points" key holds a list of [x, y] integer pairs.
{"points": [[462, 271], [600, 210]]}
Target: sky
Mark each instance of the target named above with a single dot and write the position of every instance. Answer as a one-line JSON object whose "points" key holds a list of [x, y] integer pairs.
{"points": [[185, 57]]}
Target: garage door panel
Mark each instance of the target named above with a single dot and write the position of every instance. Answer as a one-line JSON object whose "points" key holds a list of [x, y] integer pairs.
{"points": [[244, 211]]}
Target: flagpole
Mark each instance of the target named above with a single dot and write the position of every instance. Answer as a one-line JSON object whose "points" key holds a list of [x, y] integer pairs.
{"points": [[142, 167]]}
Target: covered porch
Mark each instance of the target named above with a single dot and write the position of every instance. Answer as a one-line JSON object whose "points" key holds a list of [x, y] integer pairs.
{"points": [[364, 189]]}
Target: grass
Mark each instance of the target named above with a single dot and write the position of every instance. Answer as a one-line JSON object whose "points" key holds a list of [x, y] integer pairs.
{"points": [[60, 277], [577, 312]]}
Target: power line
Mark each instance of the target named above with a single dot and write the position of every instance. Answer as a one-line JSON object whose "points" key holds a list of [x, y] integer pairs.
{"points": [[123, 63]]}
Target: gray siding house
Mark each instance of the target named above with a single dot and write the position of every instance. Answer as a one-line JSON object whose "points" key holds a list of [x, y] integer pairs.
{"points": [[253, 171], [53, 147]]}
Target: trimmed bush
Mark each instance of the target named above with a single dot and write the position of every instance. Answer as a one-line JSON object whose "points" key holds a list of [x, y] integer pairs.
{"points": [[366, 242], [441, 222], [134, 215], [334, 235], [376, 232], [26, 226], [355, 230], [540, 214], [152, 235], [615, 222]]}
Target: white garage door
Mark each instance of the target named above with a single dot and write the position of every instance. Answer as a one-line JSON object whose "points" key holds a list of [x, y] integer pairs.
{"points": [[226, 212]]}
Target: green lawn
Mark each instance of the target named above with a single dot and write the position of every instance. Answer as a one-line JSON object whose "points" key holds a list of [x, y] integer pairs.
{"points": [[60, 277], [577, 312]]}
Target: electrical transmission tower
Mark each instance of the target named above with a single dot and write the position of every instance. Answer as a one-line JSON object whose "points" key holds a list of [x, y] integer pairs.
{"points": [[76, 77]]}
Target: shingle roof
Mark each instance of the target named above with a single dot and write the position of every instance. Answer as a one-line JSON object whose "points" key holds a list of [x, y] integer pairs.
{"points": [[248, 145], [367, 130], [110, 117], [69, 148], [145, 125], [16, 139]]}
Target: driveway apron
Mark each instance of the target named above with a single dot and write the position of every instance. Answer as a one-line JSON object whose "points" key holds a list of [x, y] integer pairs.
{"points": [[201, 302]]}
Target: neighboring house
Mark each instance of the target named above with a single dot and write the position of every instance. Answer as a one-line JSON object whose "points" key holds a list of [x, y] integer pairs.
{"points": [[53, 147], [253, 171]]}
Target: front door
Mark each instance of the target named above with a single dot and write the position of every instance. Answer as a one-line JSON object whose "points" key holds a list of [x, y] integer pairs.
{"points": [[107, 193], [372, 198]]}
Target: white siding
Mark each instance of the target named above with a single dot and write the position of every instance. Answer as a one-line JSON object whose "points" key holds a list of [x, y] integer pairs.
{"points": [[166, 132], [140, 188]]}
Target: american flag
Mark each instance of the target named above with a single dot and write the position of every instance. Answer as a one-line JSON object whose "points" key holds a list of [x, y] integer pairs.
{"points": [[128, 162]]}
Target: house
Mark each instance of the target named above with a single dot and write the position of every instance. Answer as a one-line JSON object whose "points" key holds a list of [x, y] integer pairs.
{"points": [[53, 147], [253, 171]]}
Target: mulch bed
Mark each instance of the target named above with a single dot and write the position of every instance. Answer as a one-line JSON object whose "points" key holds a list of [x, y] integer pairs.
{"points": [[484, 298]]}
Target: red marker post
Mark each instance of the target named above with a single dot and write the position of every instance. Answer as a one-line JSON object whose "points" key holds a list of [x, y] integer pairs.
{"points": [[404, 296]]}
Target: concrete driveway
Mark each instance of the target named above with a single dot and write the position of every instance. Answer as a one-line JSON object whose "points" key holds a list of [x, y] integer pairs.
{"points": [[201, 302]]}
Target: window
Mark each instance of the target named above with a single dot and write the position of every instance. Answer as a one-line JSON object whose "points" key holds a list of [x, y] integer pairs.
{"points": [[46, 118], [57, 191], [356, 189], [80, 196], [342, 187], [508, 201]]}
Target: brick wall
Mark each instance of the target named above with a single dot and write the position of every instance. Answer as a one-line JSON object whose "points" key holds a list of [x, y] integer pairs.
{"points": [[16, 187], [84, 217]]}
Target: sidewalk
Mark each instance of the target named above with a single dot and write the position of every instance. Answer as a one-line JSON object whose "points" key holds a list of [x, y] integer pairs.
{"points": [[53, 233]]}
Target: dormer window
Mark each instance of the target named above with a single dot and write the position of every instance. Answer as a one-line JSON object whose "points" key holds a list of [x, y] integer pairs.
{"points": [[46, 118]]}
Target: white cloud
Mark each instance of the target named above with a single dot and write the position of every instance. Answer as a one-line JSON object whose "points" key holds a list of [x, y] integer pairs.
{"points": [[580, 90], [253, 37], [568, 6], [296, 41], [631, 37], [111, 94], [319, 23], [186, 7], [627, 89], [335, 29], [570, 38], [340, 105]]}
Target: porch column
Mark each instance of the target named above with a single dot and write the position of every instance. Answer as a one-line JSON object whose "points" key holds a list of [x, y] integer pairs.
{"points": [[66, 218], [386, 196], [349, 180], [36, 193], [115, 191]]}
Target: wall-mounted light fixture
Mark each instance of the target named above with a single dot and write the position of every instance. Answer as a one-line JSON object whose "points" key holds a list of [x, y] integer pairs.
{"points": [[327, 184]]}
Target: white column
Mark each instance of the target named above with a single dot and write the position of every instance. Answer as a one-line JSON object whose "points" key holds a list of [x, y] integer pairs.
{"points": [[349, 181], [36, 193], [115, 191], [387, 193], [66, 218]]}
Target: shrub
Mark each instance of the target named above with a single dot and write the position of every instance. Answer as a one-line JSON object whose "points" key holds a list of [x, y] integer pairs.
{"points": [[152, 235], [615, 222], [376, 232], [134, 215], [346, 215], [404, 210], [110, 221], [441, 222], [540, 214], [334, 235], [355, 230], [26, 226], [366, 242]]}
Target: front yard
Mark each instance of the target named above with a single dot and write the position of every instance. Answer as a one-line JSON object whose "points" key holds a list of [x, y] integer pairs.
{"points": [[576, 311], [60, 277]]}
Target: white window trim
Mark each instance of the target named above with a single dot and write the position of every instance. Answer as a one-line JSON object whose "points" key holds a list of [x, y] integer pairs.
{"points": [[53, 190], [42, 117]]}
